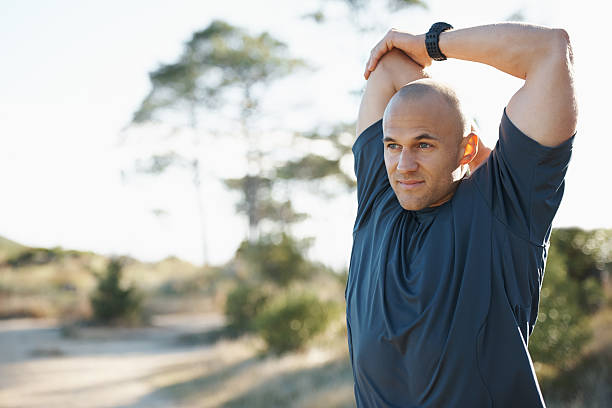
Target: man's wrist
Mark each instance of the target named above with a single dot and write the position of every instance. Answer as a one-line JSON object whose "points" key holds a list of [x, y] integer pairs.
{"points": [[443, 43], [421, 43], [421, 56]]}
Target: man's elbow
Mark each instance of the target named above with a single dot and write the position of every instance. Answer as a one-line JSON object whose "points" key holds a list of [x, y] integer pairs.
{"points": [[556, 77], [551, 53], [561, 35], [561, 46], [566, 62]]}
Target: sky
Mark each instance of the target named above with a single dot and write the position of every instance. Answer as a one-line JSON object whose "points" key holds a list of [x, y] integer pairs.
{"points": [[73, 73]]}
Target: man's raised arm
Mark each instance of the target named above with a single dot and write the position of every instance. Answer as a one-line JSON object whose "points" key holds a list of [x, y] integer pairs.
{"points": [[545, 107], [396, 70]]}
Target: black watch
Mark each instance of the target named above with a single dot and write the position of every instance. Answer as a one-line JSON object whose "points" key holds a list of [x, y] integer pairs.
{"points": [[431, 40]]}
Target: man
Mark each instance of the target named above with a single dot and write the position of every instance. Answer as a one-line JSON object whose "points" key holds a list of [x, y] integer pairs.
{"points": [[447, 263]]}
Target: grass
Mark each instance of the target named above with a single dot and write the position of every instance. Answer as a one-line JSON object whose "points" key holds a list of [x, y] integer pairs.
{"points": [[328, 384], [238, 374]]}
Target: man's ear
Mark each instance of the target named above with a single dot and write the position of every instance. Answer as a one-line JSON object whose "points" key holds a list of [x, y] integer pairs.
{"points": [[470, 148]]}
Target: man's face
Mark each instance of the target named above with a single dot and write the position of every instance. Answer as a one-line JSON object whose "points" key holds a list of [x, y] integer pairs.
{"points": [[422, 148]]}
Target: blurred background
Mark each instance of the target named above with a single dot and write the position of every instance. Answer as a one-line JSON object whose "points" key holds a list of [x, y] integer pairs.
{"points": [[179, 197]]}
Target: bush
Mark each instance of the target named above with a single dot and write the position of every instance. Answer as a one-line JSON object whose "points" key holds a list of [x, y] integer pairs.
{"points": [[35, 256], [290, 321], [113, 304], [588, 258], [276, 259], [562, 327], [242, 306]]}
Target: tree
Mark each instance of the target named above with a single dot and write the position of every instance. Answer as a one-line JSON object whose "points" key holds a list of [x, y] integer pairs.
{"points": [[215, 60], [111, 302]]}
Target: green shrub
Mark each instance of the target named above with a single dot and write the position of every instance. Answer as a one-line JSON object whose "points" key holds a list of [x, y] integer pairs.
{"points": [[242, 306], [562, 327], [113, 304], [290, 321], [588, 258], [35, 256], [277, 259]]}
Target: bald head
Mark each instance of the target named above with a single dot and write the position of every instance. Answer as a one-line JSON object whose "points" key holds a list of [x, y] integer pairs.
{"points": [[432, 92]]}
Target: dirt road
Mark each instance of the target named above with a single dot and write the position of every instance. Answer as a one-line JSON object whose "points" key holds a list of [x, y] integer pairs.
{"points": [[100, 367]]}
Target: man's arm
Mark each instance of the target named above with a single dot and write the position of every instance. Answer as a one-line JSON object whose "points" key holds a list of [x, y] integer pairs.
{"points": [[368, 151], [545, 107], [395, 70]]}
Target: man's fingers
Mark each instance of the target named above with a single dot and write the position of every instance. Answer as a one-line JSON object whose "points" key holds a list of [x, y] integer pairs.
{"points": [[383, 46], [370, 65], [410, 44]]}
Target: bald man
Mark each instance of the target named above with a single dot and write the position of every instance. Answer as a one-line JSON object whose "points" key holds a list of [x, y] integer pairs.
{"points": [[450, 242]]}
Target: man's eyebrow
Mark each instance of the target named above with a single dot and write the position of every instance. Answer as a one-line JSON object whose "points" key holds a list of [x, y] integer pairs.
{"points": [[420, 137]]}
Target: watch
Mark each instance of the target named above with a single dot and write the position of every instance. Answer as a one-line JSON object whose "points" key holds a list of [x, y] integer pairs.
{"points": [[431, 40]]}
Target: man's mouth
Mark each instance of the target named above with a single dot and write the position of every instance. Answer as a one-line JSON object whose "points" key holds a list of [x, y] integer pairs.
{"points": [[409, 184]]}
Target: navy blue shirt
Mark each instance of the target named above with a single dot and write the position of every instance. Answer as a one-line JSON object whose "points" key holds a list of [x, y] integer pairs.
{"points": [[440, 302]]}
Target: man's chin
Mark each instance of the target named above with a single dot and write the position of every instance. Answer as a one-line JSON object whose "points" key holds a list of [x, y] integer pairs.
{"points": [[409, 208], [412, 206]]}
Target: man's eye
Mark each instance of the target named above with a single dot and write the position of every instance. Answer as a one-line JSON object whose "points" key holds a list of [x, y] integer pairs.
{"points": [[394, 146], [424, 145]]}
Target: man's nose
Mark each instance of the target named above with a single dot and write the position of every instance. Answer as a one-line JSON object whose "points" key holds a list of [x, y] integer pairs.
{"points": [[406, 162]]}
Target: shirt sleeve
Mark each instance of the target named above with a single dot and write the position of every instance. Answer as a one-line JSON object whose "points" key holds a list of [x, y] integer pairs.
{"points": [[370, 170], [523, 181]]}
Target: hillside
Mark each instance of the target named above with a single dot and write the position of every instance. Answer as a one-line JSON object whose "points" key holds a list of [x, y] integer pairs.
{"points": [[9, 248], [56, 282]]}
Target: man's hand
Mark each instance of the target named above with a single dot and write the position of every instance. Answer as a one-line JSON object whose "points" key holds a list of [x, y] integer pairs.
{"points": [[412, 45]]}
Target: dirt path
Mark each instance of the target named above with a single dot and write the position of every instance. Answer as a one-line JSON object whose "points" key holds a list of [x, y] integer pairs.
{"points": [[101, 367]]}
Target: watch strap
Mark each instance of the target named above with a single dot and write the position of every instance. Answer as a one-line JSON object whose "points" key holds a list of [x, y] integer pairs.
{"points": [[432, 39]]}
